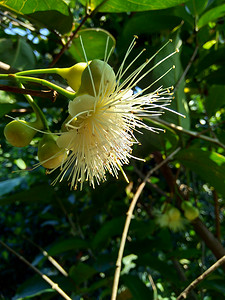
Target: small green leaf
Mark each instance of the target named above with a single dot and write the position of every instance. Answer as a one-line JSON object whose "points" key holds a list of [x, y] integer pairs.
{"points": [[211, 15], [210, 166], [132, 5], [95, 41]]}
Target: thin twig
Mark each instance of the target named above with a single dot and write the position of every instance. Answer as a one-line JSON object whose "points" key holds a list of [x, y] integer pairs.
{"points": [[43, 94], [187, 68], [191, 133], [193, 284], [50, 258], [154, 288], [74, 33], [217, 214], [128, 220], [45, 277]]}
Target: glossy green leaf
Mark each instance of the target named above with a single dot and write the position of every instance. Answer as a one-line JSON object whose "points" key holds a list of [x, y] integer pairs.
{"points": [[18, 54], [210, 166], [95, 41], [54, 15], [211, 15], [9, 185], [215, 99], [132, 5], [32, 287]]}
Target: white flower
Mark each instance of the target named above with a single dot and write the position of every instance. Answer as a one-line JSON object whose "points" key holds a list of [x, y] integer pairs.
{"points": [[100, 132]]}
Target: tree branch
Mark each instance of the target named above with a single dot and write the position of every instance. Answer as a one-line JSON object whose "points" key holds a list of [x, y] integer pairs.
{"points": [[183, 295], [46, 278], [50, 94], [127, 223]]}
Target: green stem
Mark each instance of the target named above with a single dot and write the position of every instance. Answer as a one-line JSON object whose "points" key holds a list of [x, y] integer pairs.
{"points": [[39, 71], [40, 81], [41, 121]]}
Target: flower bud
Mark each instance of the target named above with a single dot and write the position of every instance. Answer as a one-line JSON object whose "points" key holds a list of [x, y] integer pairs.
{"points": [[73, 75], [104, 79], [18, 134], [190, 212], [49, 154], [174, 214]]}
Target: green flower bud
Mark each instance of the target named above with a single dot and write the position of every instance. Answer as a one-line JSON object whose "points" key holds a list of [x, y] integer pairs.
{"points": [[73, 74], [18, 134], [174, 214], [190, 212], [103, 76], [49, 154]]}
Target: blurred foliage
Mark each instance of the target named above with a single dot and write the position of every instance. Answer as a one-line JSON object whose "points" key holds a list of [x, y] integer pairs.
{"points": [[82, 229]]}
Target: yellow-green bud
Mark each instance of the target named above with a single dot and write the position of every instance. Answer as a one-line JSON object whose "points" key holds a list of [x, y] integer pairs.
{"points": [[49, 154], [174, 214], [73, 75], [18, 134], [104, 79], [190, 212]]}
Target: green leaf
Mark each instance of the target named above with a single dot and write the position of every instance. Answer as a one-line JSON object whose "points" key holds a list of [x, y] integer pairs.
{"points": [[148, 22], [7, 103], [34, 194], [81, 272], [32, 287], [107, 231], [137, 288], [179, 103], [9, 185], [215, 99], [211, 15], [132, 5], [210, 166], [55, 15], [95, 41], [18, 54], [67, 245]]}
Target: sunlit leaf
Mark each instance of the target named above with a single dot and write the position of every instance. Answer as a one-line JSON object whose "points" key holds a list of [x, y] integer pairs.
{"points": [[95, 42], [211, 15], [135, 5], [55, 15]]}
